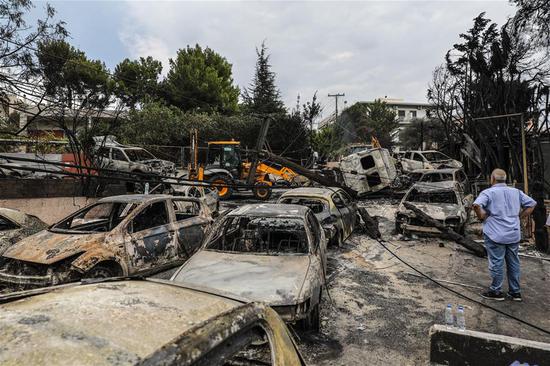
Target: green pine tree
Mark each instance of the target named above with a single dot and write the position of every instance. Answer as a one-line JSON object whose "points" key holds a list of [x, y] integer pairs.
{"points": [[262, 96]]}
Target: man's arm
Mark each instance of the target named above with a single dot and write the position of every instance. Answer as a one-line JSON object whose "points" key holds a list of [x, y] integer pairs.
{"points": [[480, 212], [526, 212], [481, 201], [527, 205]]}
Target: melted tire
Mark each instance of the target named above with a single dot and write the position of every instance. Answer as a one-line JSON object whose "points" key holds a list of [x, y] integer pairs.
{"points": [[101, 271], [262, 191]]}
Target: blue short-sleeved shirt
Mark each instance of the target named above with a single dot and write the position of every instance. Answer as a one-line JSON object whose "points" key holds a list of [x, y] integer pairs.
{"points": [[503, 205]]}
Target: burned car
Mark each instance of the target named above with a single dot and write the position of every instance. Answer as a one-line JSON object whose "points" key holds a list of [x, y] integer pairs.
{"points": [[444, 201], [205, 193], [427, 159], [130, 159], [16, 225], [117, 236], [145, 322], [333, 207], [265, 252], [442, 175]]}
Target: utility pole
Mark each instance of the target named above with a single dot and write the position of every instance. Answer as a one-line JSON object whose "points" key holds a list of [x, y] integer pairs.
{"points": [[421, 134], [336, 96]]}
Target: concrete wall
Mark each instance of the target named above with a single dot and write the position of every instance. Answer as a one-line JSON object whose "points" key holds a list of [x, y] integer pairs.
{"points": [[50, 210], [453, 347], [49, 199]]}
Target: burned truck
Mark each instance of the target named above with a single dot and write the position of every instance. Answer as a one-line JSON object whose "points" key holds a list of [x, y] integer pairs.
{"points": [[368, 170]]}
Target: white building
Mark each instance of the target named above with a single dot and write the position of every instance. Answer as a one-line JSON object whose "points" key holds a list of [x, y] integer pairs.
{"points": [[405, 111]]}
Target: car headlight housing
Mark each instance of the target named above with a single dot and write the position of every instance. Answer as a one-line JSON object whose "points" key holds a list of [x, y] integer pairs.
{"points": [[452, 221], [402, 218], [328, 220]]}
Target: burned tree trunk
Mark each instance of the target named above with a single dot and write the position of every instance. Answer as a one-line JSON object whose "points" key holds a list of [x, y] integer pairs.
{"points": [[306, 172], [469, 244], [539, 217]]}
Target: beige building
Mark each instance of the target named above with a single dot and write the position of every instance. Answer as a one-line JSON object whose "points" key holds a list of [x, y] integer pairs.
{"points": [[46, 122]]}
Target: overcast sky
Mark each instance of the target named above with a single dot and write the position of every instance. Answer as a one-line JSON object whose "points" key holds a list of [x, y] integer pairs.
{"points": [[363, 49]]}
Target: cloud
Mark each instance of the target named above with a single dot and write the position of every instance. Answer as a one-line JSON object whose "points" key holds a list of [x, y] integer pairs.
{"points": [[147, 45], [363, 49]]}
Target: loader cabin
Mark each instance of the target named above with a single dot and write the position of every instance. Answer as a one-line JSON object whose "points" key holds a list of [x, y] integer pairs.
{"points": [[225, 155]]}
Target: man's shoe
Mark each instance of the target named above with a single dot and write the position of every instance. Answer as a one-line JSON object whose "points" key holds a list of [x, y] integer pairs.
{"points": [[493, 295], [515, 297]]}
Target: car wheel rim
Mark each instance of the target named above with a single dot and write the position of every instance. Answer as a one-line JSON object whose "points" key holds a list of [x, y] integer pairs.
{"points": [[101, 273], [262, 192], [221, 186]]}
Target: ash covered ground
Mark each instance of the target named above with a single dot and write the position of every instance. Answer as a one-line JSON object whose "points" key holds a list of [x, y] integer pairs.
{"points": [[378, 312]]}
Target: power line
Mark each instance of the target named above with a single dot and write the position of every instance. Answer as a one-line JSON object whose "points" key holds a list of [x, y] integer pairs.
{"points": [[336, 96], [457, 293], [121, 175]]}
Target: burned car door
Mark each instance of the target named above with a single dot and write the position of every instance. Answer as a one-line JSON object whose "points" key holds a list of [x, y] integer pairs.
{"points": [[152, 238], [119, 160], [345, 214], [418, 161], [190, 225], [104, 157], [212, 200], [349, 221], [463, 180], [318, 244]]}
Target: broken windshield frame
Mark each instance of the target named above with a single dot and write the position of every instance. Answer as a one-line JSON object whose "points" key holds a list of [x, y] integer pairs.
{"points": [[137, 155], [435, 156], [436, 177], [97, 218], [7, 224], [317, 205], [432, 197], [259, 236]]}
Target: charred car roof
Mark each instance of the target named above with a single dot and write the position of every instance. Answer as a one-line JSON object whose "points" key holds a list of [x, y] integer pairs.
{"points": [[444, 170], [270, 210], [136, 198], [426, 187], [311, 192]]}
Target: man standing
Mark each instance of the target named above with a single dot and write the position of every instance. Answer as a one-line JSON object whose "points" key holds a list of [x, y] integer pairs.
{"points": [[501, 208]]}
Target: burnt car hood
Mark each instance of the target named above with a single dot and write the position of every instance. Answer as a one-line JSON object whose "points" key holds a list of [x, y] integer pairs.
{"points": [[276, 280], [7, 238], [446, 163], [47, 247], [439, 211], [158, 164]]}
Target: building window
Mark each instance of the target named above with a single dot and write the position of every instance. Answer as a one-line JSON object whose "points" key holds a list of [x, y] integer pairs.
{"points": [[413, 114], [401, 115]]}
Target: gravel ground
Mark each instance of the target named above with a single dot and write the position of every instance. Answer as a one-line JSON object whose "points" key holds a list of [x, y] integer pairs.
{"points": [[379, 313]]}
